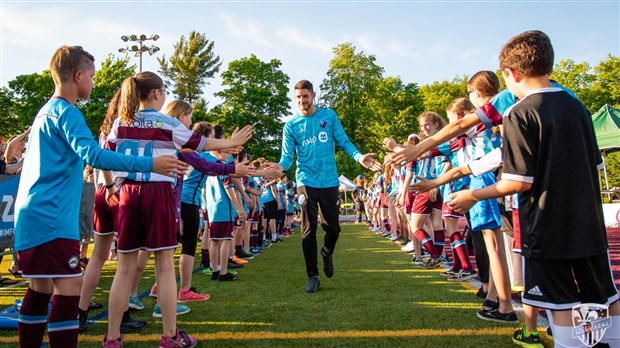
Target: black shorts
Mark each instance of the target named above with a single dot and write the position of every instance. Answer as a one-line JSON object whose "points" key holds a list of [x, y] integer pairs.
{"points": [[270, 210], [190, 214], [562, 284]]}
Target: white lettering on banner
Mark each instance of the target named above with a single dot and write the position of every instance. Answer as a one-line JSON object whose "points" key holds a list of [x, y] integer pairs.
{"points": [[308, 141], [6, 216]]}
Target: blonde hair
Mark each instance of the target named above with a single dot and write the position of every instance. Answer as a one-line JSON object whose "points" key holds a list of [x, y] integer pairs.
{"points": [[461, 107], [133, 90], [178, 108], [431, 117], [67, 60]]}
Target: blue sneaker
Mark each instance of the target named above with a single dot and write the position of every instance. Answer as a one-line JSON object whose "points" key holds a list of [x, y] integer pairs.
{"points": [[181, 309], [134, 303]]}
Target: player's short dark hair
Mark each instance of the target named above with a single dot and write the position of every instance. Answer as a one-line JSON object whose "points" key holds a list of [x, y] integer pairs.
{"points": [[304, 84], [529, 53]]}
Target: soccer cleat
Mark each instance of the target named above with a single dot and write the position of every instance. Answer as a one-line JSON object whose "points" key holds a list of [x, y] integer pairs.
{"points": [[463, 276], [180, 340], [432, 263], [134, 303], [328, 263], [449, 273], [208, 271], [489, 305], [191, 295], [227, 277], [153, 292], [239, 261], [532, 340], [128, 324], [313, 284], [498, 317], [117, 343], [417, 261], [181, 309], [246, 255], [232, 264], [94, 305]]}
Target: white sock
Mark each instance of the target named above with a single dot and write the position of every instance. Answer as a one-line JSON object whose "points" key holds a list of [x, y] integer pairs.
{"points": [[563, 337], [219, 268]]}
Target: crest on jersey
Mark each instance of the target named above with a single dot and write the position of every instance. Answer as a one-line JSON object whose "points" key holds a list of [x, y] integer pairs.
{"points": [[590, 321], [323, 124], [323, 137]]}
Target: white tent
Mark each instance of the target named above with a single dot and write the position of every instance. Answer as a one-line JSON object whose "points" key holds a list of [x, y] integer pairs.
{"points": [[346, 184]]}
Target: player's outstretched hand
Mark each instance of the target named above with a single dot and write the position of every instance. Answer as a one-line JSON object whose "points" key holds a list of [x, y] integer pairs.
{"points": [[462, 201], [245, 169], [169, 166], [241, 136], [370, 162]]}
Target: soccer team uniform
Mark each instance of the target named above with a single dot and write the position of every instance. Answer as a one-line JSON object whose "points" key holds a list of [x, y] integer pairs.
{"points": [[147, 207], [313, 138], [222, 212], [564, 242], [48, 198]]}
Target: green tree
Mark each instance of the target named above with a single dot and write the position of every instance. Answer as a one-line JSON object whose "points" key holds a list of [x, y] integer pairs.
{"points": [[108, 80], [396, 106], [579, 78], [351, 81], [9, 123], [438, 95], [607, 83], [256, 93], [189, 67], [29, 94]]}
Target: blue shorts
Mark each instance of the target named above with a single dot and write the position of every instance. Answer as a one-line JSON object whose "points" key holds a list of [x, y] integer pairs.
{"points": [[485, 215]]}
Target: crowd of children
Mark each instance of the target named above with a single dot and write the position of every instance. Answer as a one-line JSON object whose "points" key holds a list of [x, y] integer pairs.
{"points": [[157, 181]]}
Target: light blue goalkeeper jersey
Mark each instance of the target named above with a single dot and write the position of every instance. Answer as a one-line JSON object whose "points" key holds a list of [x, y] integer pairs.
{"points": [[313, 138], [48, 199]]}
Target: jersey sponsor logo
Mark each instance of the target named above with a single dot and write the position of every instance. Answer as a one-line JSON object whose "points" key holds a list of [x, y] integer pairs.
{"points": [[590, 321], [535, 291], [323, 124], [74, 261], [323, 137], [308, 141], [142, 123]]}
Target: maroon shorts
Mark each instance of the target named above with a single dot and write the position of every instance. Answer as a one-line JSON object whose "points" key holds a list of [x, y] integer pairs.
{"points": [[516, 227], [221, 230], [409, 198], [256, 217], [104, 215], [448, 212], [422, 204], [59, 258], [146, 217]]}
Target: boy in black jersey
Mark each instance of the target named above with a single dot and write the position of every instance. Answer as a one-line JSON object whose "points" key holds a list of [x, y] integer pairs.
{"points": [[549, 148]]}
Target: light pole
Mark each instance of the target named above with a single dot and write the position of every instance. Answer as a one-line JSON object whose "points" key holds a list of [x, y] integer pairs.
{"points": [[139, 48]]}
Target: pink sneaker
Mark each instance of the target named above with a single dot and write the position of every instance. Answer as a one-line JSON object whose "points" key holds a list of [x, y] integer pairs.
{"points": [[191, 295], [183, 340], [154, 291], [117, 343]]}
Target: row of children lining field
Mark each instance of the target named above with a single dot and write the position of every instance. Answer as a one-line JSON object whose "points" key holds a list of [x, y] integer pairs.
{"points": [[428, 187], [148, 152]]}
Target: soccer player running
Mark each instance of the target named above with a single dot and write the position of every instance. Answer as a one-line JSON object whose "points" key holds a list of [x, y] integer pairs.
{"points": [[312, 134]]}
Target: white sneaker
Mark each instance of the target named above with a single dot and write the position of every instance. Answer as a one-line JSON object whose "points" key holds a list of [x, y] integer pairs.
{"points": [[408, 247]]}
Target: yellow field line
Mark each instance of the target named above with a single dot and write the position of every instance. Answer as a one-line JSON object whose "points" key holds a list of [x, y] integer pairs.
{"points": [[267, 335]]}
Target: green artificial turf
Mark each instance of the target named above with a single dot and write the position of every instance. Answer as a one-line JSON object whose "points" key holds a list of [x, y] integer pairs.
{"points": [[376, 298]]}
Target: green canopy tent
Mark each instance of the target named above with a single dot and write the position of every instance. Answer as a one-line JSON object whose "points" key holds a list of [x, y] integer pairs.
{"points": [[606, 123]]}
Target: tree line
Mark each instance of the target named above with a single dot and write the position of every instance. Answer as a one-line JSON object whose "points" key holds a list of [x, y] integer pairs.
{"points": [[370, 105]]}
